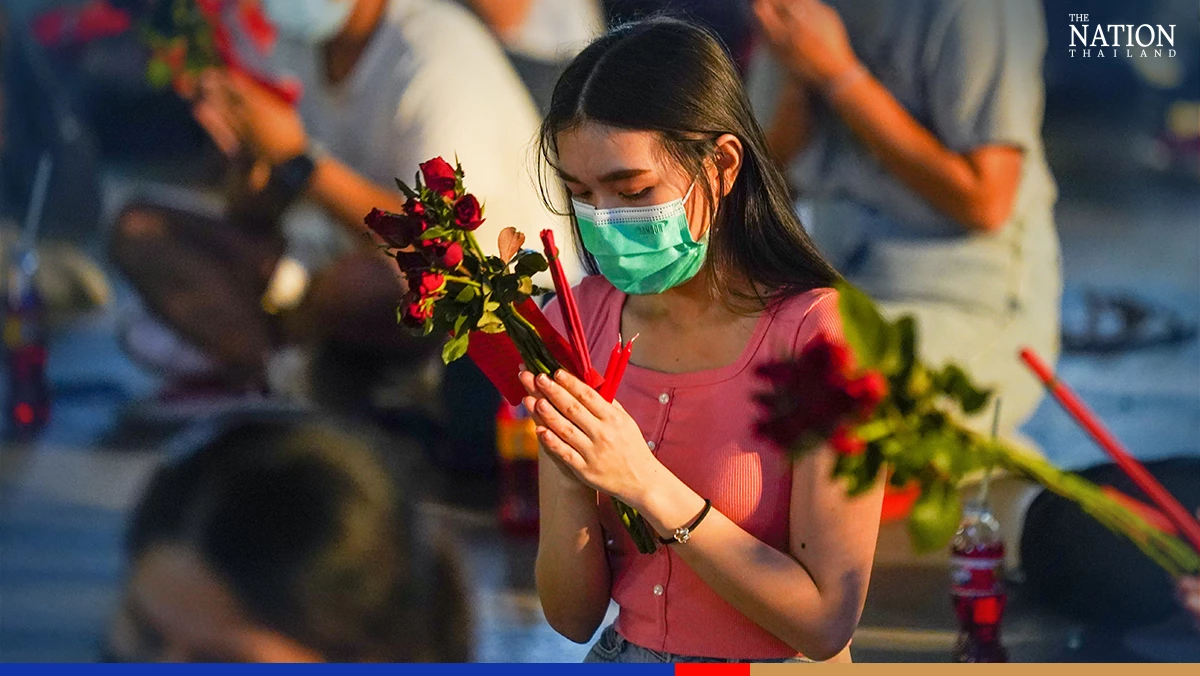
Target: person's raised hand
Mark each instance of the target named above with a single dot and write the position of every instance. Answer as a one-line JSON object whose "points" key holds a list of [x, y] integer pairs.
{"points": [[599, 441], [808, 38], [268, 125]]}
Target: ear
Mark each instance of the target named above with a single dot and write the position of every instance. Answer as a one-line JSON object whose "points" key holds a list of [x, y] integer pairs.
{"points": [[728, 157]]}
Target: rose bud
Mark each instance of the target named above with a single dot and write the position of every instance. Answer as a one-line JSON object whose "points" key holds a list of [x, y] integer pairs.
{"points": [[394, 229], [430, 284], [468, 215], [845, 442], [453, 255], [439, 177]]}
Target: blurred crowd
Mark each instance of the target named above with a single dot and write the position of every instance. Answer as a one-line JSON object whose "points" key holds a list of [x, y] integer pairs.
{"points": [[286, 541]]}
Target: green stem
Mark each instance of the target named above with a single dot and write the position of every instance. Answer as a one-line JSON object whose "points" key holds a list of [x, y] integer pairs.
{"points": [[462, 280], [539, 360], [1169, 552]]}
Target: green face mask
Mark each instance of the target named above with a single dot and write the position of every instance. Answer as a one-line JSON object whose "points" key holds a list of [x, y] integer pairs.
{"points": [[642, 250]]}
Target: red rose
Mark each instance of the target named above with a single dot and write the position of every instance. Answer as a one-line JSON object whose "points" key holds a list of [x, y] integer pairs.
{"points": [[811, 396], [845, 442], [416, 312], [871, 388], [427, 284], [453, 255], [393, 229], [468, 215], [439, 177]]}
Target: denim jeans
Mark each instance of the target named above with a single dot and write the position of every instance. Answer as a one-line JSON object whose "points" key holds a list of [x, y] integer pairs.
{"points": [[612, 648]]}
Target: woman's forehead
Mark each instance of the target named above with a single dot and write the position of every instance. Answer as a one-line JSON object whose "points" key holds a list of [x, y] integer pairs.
{"points": [[592, 150]]}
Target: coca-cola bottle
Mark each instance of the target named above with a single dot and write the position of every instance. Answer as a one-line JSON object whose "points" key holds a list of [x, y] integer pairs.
{"points": [[977, 586], [517, 446], [27, 404]]}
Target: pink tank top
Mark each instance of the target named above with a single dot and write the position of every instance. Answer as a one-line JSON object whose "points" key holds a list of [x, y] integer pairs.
{"points": [[701, 426]]}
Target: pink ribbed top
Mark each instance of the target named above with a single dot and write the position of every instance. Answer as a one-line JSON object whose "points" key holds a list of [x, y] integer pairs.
{"points": [[700, 425]]}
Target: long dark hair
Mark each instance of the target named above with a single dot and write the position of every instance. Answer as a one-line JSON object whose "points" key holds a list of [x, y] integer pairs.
{"points": [[316, 533], [674, 78]]}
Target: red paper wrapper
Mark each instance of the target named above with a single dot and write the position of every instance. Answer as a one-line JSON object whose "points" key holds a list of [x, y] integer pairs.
{"points": [[498, 358]]}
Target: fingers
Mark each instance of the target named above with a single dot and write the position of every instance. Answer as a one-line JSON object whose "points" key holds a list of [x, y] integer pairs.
{"points": [[566, 430], [528, 382], [561, 450], [586, 395], [530, 404], [218, 127]]}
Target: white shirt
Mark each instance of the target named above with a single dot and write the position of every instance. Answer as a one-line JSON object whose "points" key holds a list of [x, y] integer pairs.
{"points": [[432, 82], [557, 30]]}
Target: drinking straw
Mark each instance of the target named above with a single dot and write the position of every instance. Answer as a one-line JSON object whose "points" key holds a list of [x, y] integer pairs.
{"points": [[37, 201], [1170, 507], [568, 306]]}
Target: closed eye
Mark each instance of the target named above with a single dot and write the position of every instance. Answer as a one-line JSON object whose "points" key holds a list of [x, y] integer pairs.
{"points": [[638, 195]]}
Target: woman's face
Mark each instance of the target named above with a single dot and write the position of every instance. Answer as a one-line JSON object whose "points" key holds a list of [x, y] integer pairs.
{"points": [[177, 609], [608, 167]]}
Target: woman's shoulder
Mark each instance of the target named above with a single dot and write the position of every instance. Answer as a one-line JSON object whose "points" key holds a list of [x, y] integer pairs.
{"points": [[801, 316]]}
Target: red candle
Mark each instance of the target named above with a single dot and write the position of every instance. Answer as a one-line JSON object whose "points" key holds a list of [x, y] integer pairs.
{"points": [[1170, 507], [608, 389]]}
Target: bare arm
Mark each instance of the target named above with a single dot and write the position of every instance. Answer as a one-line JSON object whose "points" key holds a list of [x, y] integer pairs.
{"points": [[572, 573], [810, 597], [976, 188], [502, 16], [347, 195], [791, 126]]}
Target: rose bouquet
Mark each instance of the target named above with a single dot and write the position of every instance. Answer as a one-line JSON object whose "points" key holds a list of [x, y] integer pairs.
{"points": [[187, 37], [878, 406], [484, 302]]}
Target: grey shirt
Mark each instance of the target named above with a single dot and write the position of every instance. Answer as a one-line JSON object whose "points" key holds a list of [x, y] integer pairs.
{"points": [[970, 72]]}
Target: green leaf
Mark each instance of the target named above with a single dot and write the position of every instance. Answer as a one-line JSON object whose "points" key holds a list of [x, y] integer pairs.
{"points": [[490, 306], [466, 295], [905, 330], [956, 383], [865, 329], [408, 192], [456, 347], [458, 323], [935, 517], [530, 263], [435, 233], [158, 73], [525, 286], [490, 321]]}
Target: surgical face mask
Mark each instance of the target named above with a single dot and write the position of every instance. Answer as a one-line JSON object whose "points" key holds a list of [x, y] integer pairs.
{"points": [[312, 21], [642, 250]]}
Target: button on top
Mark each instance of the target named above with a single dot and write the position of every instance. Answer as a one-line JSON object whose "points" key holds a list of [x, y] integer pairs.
{"points": [[658, 590], [651, 444], [663, 398]]}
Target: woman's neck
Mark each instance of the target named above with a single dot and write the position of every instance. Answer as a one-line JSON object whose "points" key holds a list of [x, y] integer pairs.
{"points": [[686, 304], [346, 48]]}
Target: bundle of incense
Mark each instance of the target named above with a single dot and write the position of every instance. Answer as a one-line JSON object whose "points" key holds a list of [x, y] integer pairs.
{"points": [[616, 368], [570, 311], [1170, 507]]}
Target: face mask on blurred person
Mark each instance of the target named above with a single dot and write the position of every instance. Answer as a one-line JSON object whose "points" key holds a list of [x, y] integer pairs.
{"points": [[642, 250], [313, 21]]}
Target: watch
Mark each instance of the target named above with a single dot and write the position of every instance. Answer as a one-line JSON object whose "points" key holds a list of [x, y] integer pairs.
{"points": [[293, 176]]}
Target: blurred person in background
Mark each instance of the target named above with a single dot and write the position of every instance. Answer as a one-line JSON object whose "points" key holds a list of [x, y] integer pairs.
{"points": [[387, 85], [730, 20], [914, 132], [287, 542], [541, 36]]}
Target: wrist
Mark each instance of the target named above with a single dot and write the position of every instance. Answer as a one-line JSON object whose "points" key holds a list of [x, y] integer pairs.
{"points": [[835, 87], [672, 505]]}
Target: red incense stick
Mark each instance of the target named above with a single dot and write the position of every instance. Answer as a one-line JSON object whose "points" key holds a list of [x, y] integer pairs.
{"points": [[569, 309], [1170, 507]]}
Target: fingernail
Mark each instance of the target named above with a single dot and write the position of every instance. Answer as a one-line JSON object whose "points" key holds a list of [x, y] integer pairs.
{"points": [[560, 375], [543, 379]]}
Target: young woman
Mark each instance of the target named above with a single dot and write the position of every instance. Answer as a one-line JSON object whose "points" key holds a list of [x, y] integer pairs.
{"points": [[688, 224], [287, 542]]}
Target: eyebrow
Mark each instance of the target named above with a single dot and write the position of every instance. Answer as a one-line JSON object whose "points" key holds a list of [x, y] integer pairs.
{"points": [[618, 175]]}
